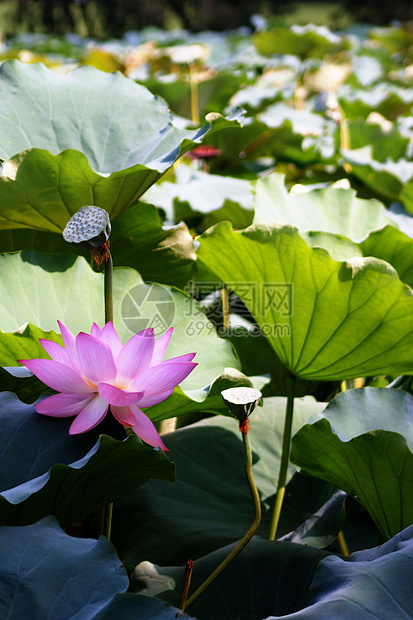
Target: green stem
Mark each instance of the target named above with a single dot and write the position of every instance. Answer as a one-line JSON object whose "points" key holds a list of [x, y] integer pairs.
{"points": [[285, 457], [106, 514], [107, 523], [342, 544], [193, 81], [248, 535], [109, 289], [225, 308]]}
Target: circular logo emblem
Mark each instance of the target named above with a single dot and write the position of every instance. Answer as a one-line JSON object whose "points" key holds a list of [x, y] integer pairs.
{"points": [[148, 305]]}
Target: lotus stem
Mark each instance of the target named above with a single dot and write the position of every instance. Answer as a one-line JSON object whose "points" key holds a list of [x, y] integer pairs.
{"points": [[193, 81], [225, 307], [108, 288], [185, 585], [342, 545], [106, 516], [285, 457], [257, 517]]}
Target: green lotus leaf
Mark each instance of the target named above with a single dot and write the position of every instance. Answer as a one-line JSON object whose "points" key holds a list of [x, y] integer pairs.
{"points": [[46, 438], [372, 584], [256, 139], [325, 320], [71, 492], [340, 248], [214, 93], [88, 137], [390, 102], [52, 575], [321, 529], [393, 246], [138, 240], [366, 68], [331, 209], [265, 578], [255, 98], [47, 288], [386, 179], [20, 381], [312, 132], [180, 405], [406, 196], [210, 462], [385, 143], [363, 443], [304, 41], [116, 123], [209, 197], [335, 219]]}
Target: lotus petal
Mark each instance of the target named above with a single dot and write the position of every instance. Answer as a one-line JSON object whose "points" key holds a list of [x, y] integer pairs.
{"points": [[95, 359], [162, 378], [63, 405], [145, 429], [135, 356], [115, 396], [90, 416], [160, 347], [58, 376]]}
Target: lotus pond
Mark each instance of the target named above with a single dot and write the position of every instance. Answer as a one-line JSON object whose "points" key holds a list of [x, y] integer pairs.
{"points": [[257, 190]]}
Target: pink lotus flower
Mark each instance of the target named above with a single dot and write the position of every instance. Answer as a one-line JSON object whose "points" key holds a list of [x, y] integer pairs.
{"points": [[94, 371]]}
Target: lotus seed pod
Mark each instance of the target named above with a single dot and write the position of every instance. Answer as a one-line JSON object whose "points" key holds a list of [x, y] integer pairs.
{"points": [[241, 401], [88, 228]]}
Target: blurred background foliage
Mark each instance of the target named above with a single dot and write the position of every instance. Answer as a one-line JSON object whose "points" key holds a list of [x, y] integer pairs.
{"points": [[105, 18]]}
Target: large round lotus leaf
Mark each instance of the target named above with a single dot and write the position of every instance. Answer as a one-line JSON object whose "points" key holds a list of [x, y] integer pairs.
{"points": [[390, 144], [390, 101], [47, 574], [210, 462], [86, 138], [210, 197], [46, 288], [393, 246], [138, 240], [325, 319], [71, 492], [337, 216], [385, 180], [373, 584], [363, 443], [265, 578], [304, 41], [113, 121], [67, 476], [332, 209]]}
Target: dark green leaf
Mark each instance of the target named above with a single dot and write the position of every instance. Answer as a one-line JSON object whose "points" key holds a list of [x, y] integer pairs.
{"points": [[211, 481], [372, 585], [265, 578], [47, 574], [109, 470], [363, 443]]}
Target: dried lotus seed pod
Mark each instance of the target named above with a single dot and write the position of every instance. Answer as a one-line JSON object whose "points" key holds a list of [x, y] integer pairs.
{"points": [[88, 228], [241, 401]]}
